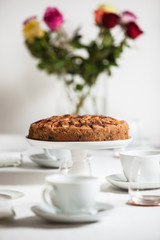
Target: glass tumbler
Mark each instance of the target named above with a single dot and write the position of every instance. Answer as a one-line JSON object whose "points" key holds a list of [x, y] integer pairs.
{"points": [[81, 167], [144, 181]]}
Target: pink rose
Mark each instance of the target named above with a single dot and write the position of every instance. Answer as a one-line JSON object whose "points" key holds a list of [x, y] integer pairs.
{"points": [[53, 18], [133, 30], [29, 19], [127, 17]]}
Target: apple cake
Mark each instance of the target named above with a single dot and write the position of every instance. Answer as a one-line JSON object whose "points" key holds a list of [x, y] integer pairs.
{"points": [[79, 128]]}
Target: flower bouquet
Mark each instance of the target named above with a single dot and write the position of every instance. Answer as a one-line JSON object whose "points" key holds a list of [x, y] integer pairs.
{"points": [[57, 53]]}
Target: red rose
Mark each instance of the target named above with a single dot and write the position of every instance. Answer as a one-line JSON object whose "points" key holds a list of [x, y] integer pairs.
{"points": [[109, 20], [133, 30]]}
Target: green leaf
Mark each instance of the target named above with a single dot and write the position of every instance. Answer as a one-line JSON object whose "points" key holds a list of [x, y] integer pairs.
{"points": [[79, 87], [75, 42], [59, 65]]}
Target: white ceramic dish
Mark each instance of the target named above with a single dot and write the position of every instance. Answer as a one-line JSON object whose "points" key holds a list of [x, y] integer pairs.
{"points": [[80, 145], [43, 161], [48, 213], [151, 160], [120, 181], [10, 194], [79, 150]]}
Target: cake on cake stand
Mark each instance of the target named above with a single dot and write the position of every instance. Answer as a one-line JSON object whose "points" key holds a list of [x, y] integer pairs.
{"points": [[79, 150]]}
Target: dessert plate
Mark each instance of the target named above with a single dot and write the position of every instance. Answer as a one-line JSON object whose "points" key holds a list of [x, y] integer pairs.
{"points": [[120, 181], [43, 161], [80, 145], [48, 213]]}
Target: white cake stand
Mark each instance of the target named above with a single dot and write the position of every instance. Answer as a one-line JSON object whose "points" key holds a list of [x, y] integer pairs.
{"points": [[79, 150]]}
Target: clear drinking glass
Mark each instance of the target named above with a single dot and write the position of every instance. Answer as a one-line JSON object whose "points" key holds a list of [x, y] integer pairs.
{"points": [[81, 167], [65, 166], [144, 182]]}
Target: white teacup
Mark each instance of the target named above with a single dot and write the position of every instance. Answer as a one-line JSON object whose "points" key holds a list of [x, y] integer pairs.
{"points": [[71, 194], [58, 154], [150, 160]]}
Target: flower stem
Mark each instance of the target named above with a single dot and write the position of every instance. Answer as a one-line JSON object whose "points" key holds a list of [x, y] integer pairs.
{"points": [[81, 101]]}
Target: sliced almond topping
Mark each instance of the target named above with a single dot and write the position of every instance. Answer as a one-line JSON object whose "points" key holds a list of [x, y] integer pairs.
{"points": [[96, 126]]}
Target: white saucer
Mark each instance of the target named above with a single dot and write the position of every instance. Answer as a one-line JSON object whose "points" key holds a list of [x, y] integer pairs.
{"points": [[43, 161], [120, 181], [10, 194], [48, 213]]}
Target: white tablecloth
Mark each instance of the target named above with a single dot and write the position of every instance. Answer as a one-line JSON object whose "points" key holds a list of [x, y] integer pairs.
{"points": [[122, 222]]}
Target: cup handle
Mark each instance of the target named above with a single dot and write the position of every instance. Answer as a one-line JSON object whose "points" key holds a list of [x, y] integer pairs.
{"points": [[45, 197]]}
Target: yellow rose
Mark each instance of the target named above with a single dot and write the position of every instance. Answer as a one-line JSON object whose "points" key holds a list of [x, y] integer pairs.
{"points": [[32, 30], [108, 8]]}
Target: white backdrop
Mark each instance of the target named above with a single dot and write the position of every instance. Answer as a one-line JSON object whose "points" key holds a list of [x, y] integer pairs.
{"points": [[27, 94]]}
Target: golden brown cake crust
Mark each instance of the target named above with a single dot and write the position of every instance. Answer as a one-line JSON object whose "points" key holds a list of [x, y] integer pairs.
{"points": [[74, 128]]}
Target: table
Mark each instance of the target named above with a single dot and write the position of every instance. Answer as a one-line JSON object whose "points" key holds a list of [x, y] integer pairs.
{"points": [[122, 222]]}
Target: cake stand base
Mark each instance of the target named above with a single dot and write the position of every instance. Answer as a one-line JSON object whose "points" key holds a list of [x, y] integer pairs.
{"points": [[81, 165]]}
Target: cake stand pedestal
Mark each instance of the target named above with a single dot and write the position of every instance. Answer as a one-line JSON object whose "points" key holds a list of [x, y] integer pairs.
{"points": [[79, 150]]}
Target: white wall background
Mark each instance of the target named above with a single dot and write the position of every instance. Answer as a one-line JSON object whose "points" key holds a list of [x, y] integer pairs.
{"points": [[27, 94]]}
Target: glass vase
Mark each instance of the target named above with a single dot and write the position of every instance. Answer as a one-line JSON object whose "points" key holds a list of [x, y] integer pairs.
{"points": [[90, 100]]}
